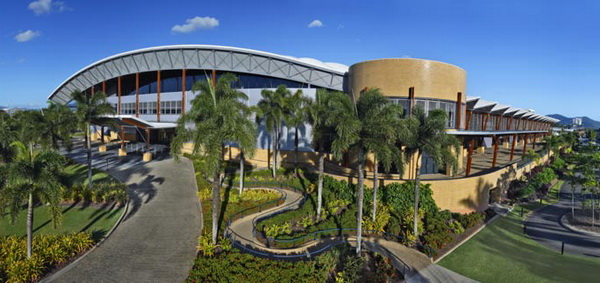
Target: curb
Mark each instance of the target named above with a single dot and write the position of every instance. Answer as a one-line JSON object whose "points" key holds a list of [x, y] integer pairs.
{"points": [[72, 264], [575, 229]]}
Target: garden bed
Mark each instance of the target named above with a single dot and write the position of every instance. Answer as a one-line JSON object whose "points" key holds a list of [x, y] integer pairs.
{"points": [[583, 220]]}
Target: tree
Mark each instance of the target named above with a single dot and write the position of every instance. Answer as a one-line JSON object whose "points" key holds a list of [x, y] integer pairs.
{"points": [[531, 155], [8, 136], [318, 111], [272, 110], [32, 175], [427, 134], [297, 114], [554, 143], [60, 122], [369, 126], [91, 108], [218, 116]]}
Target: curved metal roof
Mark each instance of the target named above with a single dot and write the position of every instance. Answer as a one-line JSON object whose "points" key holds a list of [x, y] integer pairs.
{"points": [[207, 57]]}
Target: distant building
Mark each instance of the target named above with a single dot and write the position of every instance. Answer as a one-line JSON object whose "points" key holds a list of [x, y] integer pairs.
{"points": [[577, 122]]}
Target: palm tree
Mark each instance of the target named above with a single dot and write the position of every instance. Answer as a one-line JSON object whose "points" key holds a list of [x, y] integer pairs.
{"points": [[368, 126], [427, 134], [60, 122], [317, 117], [32, 175], [7, 134], [531, 155], [218, 117], [91, 108], [297, 110], [272, 110]]}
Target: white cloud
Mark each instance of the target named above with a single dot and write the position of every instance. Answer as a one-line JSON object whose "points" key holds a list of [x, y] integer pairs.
{"points": [[27, 35], [196, 23], [41, 7], [315, 24]]}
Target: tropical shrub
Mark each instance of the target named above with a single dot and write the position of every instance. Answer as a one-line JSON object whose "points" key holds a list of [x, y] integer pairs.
{"points": [[48, 251], [206, 246], [400, 197], [275, 230], [470, 220], [307, 220], [381, 220], [99, 193], [340, 190], [438, 229]]}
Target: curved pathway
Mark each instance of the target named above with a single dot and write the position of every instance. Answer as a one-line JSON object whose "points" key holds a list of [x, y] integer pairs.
{"points": [[415, 266], [156, 242], [544, 226]]}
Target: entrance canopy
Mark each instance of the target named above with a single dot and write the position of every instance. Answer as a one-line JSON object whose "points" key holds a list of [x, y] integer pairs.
{"points": [[128, 120]]}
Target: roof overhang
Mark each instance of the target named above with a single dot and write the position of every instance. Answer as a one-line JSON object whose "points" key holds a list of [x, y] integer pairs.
{"points": [[128, 120], [203, 57]]}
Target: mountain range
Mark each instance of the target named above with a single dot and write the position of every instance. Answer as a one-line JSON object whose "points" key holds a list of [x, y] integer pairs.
{"points": [[586, 122]]}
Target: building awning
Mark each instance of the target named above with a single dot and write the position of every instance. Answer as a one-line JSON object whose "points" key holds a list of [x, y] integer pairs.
{"points": [[128, 120], [492, 133]]}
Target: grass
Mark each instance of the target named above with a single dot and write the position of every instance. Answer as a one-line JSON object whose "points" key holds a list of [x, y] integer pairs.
{"points": [[77, 174], [502, 253], [94, 220]]}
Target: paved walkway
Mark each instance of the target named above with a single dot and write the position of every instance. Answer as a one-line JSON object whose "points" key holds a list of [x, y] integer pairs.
{"points": [[544, 226], [156, 242], [415, 266]]}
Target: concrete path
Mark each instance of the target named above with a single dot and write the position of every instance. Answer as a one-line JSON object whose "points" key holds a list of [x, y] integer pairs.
{"points": [[415, 266], [156, 242], [545, 227]]}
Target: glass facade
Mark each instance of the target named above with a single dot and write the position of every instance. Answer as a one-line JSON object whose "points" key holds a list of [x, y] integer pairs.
{"points": [[171, 81], [170, 107], [429, 105]]}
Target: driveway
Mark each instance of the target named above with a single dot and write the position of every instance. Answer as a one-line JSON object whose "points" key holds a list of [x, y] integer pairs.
{"points": [[544, 226], [156, 242]]}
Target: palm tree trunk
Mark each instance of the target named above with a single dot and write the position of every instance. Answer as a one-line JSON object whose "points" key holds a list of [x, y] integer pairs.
{"points": [[89, 155], [320, 183], [296, 147], [241, 172], [29, 224], [273, 139], [360, 201], [416, 207], [375, 187], [593, 209], [216, 201]]}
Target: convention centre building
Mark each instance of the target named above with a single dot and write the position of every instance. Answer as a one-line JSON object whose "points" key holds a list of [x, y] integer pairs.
{"points": [[151, 88]]}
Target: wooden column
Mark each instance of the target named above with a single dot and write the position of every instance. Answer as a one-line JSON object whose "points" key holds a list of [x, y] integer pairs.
{"points": [[158, 96], [458, 110], [469, 117], [92, 90], [102, 134], [119, 95], [470, 157], [524, 146], [183, 89], [104, 87], [411, 100], [509, 126], [534, 138], [498, 122], [147, 139], [214, 78], [487, 116], [512, 149], [495, 151], [137, 95]]}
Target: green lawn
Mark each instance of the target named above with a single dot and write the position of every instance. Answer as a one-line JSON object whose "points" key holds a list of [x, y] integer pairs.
{"points": [[502, 253], [97, 220], [94, 220], [77, 174]]}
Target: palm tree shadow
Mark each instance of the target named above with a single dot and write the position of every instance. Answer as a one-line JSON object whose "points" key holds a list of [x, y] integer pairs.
{"points": [[224, 204], [140, 191]]}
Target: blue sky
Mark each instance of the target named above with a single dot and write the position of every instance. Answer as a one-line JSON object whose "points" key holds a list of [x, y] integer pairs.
{"points": [[540, 54]]}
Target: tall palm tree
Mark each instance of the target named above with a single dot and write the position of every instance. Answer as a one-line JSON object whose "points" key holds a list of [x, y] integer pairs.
{"points": [[368, 126], [60, 122], [32, 175], [317, 117], [272, 110], [427, 134], [217, 117], [91, 108], [297, 114]]}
